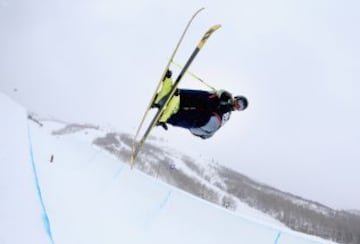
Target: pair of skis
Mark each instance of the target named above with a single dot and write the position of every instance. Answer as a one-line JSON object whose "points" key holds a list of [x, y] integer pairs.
{"points": [[136, 147]]}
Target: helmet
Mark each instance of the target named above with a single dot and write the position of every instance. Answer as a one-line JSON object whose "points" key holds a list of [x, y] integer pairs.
{"points": [[240, 103]]}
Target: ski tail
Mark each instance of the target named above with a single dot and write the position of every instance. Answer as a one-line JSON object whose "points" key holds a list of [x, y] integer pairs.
{"points": [[172, 92]]}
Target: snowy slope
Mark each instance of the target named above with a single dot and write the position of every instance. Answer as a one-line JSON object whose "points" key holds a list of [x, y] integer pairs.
{"points": [[22, 215], [90, 196]]}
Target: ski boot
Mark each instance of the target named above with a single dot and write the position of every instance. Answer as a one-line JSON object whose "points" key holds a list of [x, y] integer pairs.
{"points": [[163, 125]]}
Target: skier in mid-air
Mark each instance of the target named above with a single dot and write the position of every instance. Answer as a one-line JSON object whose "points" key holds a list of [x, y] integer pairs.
{"points": [[202, 112]]}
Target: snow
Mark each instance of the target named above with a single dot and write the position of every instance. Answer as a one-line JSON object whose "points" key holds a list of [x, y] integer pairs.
{"points": [[21, 213], [90, 196]]}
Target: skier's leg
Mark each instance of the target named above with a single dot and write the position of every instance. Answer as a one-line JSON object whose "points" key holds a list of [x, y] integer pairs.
{"points": [[171, 108], [164, 91]]}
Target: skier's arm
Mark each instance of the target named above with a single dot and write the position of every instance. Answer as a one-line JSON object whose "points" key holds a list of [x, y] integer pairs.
{"points": [[225, 97]]}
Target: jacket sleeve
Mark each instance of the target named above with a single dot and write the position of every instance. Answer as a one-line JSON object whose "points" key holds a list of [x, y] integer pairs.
{"points": [[209, 128], [225, 98]]}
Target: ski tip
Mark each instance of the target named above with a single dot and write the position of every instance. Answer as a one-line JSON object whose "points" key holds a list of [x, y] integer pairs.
{"points": [[207, 35], [215, 27]]}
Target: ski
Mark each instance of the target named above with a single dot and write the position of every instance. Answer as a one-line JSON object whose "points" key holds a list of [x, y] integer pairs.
{"points": [[157, 116], [159, 83]]}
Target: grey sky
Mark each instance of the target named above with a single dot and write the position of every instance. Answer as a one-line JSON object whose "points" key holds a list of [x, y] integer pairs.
{"points": [[297, 62]]}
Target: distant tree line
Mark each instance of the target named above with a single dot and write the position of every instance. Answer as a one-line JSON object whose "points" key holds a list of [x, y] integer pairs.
{"points": [[299, 214]]}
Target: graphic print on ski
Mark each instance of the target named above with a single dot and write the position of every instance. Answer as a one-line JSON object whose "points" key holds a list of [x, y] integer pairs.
{"points": [[161, 79], [172, 91]]}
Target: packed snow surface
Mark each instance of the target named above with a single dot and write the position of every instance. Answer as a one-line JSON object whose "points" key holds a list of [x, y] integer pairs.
{"points": [[85, 195]]}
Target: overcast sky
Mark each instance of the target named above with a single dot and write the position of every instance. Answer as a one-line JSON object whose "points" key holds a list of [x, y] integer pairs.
{"points": [[297, 62]]}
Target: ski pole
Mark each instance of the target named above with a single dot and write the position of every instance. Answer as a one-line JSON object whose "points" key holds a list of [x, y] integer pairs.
{"points": [[195, 76]]}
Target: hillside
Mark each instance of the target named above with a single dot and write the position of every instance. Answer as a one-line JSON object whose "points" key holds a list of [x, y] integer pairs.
{"points": [[225, 187]]}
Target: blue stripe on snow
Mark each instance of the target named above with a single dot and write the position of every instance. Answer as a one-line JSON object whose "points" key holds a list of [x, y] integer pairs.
{"points": [[277, 238], [152, 216], [166, 199], [45, 217]]}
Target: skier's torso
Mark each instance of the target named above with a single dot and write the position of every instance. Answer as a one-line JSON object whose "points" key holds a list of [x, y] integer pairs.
{"points": [[197, 107]]}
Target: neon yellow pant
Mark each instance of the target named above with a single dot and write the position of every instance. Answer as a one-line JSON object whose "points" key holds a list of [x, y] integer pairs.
{"points": [[171, 108], [165, 89], [173, 105]]}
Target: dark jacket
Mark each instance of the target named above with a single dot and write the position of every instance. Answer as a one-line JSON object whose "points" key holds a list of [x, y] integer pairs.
{"points": [[202, 112]]}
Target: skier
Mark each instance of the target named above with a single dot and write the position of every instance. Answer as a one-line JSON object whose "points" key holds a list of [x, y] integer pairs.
{"points": [[202, 112]]}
